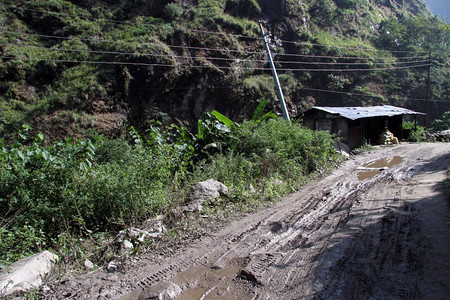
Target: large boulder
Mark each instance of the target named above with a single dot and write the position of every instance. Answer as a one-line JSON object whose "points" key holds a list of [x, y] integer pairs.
{"points": [[26, 274], [208, 190]]}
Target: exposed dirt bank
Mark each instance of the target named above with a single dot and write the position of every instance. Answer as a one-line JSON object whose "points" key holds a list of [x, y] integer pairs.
{"points": [[347, 236]]}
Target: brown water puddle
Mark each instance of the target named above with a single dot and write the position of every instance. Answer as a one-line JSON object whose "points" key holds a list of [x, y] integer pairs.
{"points": [[204, 282], [192, 294], [378, 166]]}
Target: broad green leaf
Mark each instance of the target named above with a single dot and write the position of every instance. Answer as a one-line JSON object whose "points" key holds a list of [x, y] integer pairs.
{"points": [[259, 109], [223, 118], [21, 155], [268, 116], [200, 133], [46, 155], [40, 137]]}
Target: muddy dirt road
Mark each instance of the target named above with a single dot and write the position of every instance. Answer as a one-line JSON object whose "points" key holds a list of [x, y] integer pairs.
{"points": [[376, 228]]}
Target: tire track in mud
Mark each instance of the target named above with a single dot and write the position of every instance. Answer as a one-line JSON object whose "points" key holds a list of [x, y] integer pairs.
{"points": [[283, 247], [313, 232], [385, 260]]}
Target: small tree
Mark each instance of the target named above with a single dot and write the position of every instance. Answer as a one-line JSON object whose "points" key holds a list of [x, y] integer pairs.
{"points": [[441, 124]]}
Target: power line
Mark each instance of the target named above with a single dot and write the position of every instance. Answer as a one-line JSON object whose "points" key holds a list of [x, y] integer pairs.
{"points": [[204, 57], [349, 64], [130, 53], [405, 98], [130, 23], [202, 48], [349, 47], [209, 32], [349, 57], [374, 96], [127, 43], [211, 67]]}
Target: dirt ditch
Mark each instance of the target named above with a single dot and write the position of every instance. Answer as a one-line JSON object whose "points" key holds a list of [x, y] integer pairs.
{"points": [[383, 236]]}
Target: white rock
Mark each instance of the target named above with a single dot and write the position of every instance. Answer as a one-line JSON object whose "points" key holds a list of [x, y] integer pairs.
{"points": [[27, 273], [112, 266], [88, 264], [278, 181], [127, 245], [203, 191]]}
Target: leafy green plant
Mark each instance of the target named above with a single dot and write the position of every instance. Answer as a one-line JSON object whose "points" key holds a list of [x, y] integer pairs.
{"points": [[416, 132], [258, 113], [19, 242], [441, 124]]}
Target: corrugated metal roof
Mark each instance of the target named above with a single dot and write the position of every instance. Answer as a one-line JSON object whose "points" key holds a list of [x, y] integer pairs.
{"points": [[358, 112]]}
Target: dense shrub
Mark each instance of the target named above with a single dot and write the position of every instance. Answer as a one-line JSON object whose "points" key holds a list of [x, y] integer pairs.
{"points": [[172, 11], [416, 133], [441, 124], [282, 141], [46, 191], [267, 159]]}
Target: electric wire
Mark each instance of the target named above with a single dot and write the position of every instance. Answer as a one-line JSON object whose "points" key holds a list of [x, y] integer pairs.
{"points": [[374, 96], [184, 47], [206, 57], [209, 67], [135, 54], [209, 32], [127, 43], [131, 23], [289, 55], [405, 98]]}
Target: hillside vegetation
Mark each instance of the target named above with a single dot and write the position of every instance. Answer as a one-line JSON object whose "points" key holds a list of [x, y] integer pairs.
{"points": [[68, 66]]}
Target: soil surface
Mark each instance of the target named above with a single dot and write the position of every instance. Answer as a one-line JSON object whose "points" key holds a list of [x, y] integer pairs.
{"points": [[376, 228]]}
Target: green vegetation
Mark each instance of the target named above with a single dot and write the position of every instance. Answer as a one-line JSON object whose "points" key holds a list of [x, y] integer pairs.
{"points": [[56, 194], [415, 133], [442, 123]]}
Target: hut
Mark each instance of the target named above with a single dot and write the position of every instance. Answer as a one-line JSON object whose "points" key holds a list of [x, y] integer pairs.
{"points": [[355, 125]]}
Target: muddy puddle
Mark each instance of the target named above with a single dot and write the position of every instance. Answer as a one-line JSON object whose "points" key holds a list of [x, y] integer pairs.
{"points": [[204, 282], [374, 168]]}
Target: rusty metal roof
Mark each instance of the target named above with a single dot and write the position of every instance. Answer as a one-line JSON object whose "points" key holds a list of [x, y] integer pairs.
{"points": [[358, 112]]}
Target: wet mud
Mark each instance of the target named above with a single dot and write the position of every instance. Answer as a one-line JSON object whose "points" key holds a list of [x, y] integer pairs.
{"points": [[374, 168]]}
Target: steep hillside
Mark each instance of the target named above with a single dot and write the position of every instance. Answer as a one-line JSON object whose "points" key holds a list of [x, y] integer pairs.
{"points": [[69, 66]]}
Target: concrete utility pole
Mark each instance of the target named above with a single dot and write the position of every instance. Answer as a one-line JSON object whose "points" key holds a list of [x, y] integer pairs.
{"points": [[274, 73]]}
